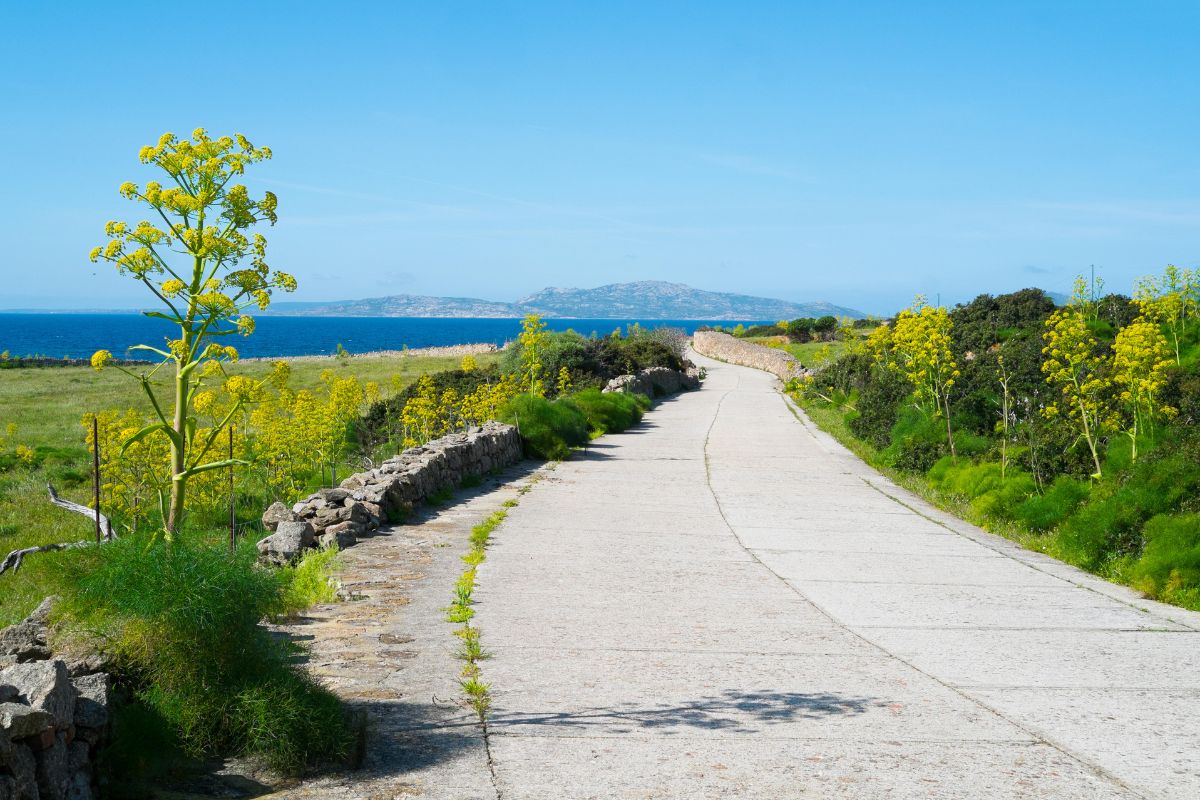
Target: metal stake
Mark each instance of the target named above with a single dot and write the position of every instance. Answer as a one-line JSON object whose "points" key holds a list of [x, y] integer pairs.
{"points": [[96, 472]]}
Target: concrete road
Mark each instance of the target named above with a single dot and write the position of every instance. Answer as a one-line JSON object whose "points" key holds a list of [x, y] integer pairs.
{"points": [[726, 603]]}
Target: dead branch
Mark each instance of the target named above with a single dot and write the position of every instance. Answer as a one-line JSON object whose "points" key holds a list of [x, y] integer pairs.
{"points": [[13, 560], [90, 513]]}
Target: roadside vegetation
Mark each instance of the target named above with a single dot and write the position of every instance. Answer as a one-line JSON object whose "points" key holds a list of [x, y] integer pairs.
{"points": [[813, 341], [1075, 430]]}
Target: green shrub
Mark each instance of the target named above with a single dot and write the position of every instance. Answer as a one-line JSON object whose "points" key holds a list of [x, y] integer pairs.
{"points": [[1166, 481], [1169, 568], [917, 441], [990, 493], [1042, 512], [549, 428], [182, 623], [612, 412]]}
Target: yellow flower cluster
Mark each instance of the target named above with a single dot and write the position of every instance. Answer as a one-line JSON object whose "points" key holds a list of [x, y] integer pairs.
{"points": [[1141, 359], [1071, 365], [430, 414], [918, 347]]}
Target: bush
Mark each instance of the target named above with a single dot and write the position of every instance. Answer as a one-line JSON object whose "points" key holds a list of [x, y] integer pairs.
{"points": [[182, 623], [549, 428], [612, 412], [991, 493], [562, 349], [765, 330], [917, 441], [1169, 568], [1042, 512], [1166, 481], [375, 426]]}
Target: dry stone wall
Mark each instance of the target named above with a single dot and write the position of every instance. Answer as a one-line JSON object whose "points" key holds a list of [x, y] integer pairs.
{"points": [[53, 715], [366, 500], [724, 347], [656, 381]]}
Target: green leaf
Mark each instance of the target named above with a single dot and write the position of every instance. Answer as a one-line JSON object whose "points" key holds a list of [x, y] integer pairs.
{"points": [[143, 433], [162, 353], [228, 462], [160, 315]]}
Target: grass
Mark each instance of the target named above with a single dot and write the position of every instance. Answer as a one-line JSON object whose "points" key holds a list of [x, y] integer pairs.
{"points": [[182, 625], [48, 403], [810, 354]]}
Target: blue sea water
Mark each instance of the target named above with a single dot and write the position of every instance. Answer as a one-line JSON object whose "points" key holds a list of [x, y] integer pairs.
{"points": [[80, 335]]}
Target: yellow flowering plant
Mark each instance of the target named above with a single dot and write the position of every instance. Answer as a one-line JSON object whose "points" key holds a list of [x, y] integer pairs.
{"points": [[1170, 300], [918, 346], [533, 340], [1141, 359], [1072, 364], [199, 261]]}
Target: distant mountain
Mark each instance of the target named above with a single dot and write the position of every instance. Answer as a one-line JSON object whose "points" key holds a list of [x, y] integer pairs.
{"points": [[400, 305], [640, 300]]}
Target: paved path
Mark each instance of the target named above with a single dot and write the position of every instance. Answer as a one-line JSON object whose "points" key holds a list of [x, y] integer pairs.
{"points": [[725, 603]]}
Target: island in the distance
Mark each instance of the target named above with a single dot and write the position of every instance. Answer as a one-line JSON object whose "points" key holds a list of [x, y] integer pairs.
{"points": [[638, 300]]}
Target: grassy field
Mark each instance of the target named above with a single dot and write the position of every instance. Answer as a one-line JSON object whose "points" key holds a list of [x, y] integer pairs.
{"points": [[47, 406], [810, 354]]}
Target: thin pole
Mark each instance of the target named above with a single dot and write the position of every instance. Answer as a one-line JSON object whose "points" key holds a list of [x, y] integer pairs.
{"points": [[232, 504], [96, 472]]}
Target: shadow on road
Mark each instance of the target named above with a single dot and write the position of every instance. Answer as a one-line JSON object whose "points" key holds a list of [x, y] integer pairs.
{"points": [[732, 711]]}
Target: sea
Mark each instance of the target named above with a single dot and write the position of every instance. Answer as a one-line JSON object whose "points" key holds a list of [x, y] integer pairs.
{"points": [[69, 335]]}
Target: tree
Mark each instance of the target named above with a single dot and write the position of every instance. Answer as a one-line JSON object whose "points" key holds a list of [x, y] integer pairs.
{"points": [[1073, 367], [205, 272], [1141, 359]]}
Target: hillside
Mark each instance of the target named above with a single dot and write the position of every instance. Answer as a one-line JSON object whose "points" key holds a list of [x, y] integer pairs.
{"points": [[640, 300]]}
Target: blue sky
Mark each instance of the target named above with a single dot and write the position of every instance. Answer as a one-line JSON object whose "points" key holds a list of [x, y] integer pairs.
{"points": [[856, 153]]}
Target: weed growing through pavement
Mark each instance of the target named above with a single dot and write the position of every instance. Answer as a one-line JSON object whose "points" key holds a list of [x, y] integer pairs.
{"points": [[460, 612]]}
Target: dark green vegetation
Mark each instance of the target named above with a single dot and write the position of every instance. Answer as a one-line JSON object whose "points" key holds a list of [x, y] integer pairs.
{"points": [[1028, 475], [592, 361], [551, 428], [565, 418], [181, 624]]}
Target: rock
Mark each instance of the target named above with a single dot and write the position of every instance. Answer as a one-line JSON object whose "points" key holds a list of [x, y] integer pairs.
{"points": [[23, 766], [53, 776], [91, 702], [333, 497], [332, 515], [8, 692], [87, 663], [81, 786], [78, 755], [276, 514], [26, 641], [8, 788], [343, 535], [287, 543], [41, 614], [20, 721], [45, 685]]}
